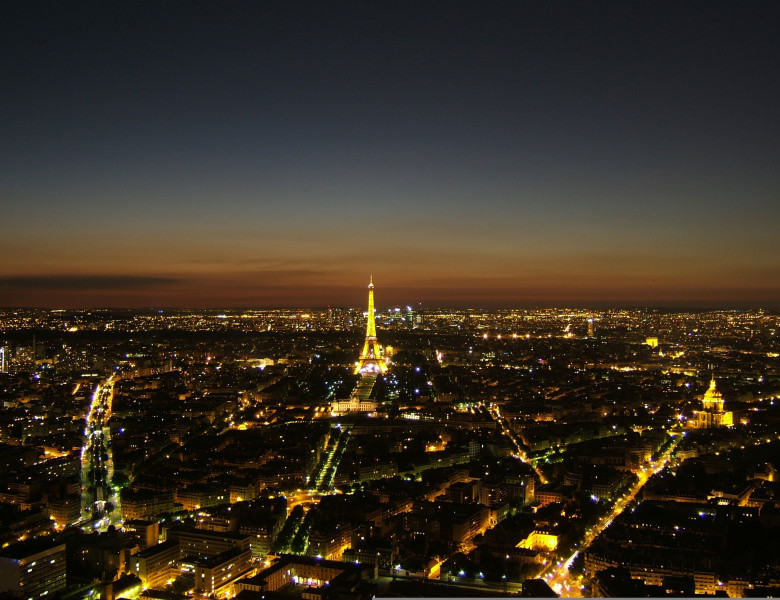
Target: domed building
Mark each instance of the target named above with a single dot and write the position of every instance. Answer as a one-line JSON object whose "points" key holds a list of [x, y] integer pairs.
{"points": [[712, 414]]}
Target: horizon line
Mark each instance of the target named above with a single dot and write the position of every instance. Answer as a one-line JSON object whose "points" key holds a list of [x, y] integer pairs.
{"points": [[693, 307]]}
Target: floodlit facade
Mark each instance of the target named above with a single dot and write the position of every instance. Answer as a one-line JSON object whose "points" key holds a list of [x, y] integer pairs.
{"points": [[156, 565], [712, 415]]}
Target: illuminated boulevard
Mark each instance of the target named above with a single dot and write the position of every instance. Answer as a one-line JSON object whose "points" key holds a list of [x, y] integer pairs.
{"points": [[99, 500], [557, 575]]}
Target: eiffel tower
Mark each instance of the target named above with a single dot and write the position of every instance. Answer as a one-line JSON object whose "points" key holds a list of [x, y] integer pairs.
{"points": [[370, 361]]}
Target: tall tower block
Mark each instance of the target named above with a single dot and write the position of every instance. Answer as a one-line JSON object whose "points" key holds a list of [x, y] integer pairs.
{"points": [[370, 361]]}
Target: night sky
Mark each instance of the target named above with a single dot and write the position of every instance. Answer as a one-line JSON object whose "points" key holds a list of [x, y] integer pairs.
{"points": [[220, 154]]}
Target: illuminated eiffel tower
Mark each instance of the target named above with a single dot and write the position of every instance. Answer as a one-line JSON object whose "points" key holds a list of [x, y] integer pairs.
{"points": [[370, 361]]}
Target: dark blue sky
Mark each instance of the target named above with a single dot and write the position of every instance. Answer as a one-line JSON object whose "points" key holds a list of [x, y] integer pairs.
{"points": [[504, 153]]}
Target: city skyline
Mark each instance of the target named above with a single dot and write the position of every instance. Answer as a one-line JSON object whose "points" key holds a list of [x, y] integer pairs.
{"points": [[494, 453], [201, 155]]}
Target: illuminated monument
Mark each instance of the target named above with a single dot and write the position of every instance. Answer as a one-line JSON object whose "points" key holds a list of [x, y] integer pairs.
{"points": [[712, 415], [370, 361]]}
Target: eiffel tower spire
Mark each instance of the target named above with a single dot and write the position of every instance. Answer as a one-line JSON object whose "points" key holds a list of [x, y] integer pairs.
{"points": [[370, 360]]}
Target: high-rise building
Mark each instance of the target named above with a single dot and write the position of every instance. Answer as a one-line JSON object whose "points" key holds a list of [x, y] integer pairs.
{"points": [[155, 565], [370, 361], [33, 569]]}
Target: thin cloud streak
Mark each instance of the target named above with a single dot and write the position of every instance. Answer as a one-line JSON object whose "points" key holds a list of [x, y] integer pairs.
{"points": [[81, 283]]}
